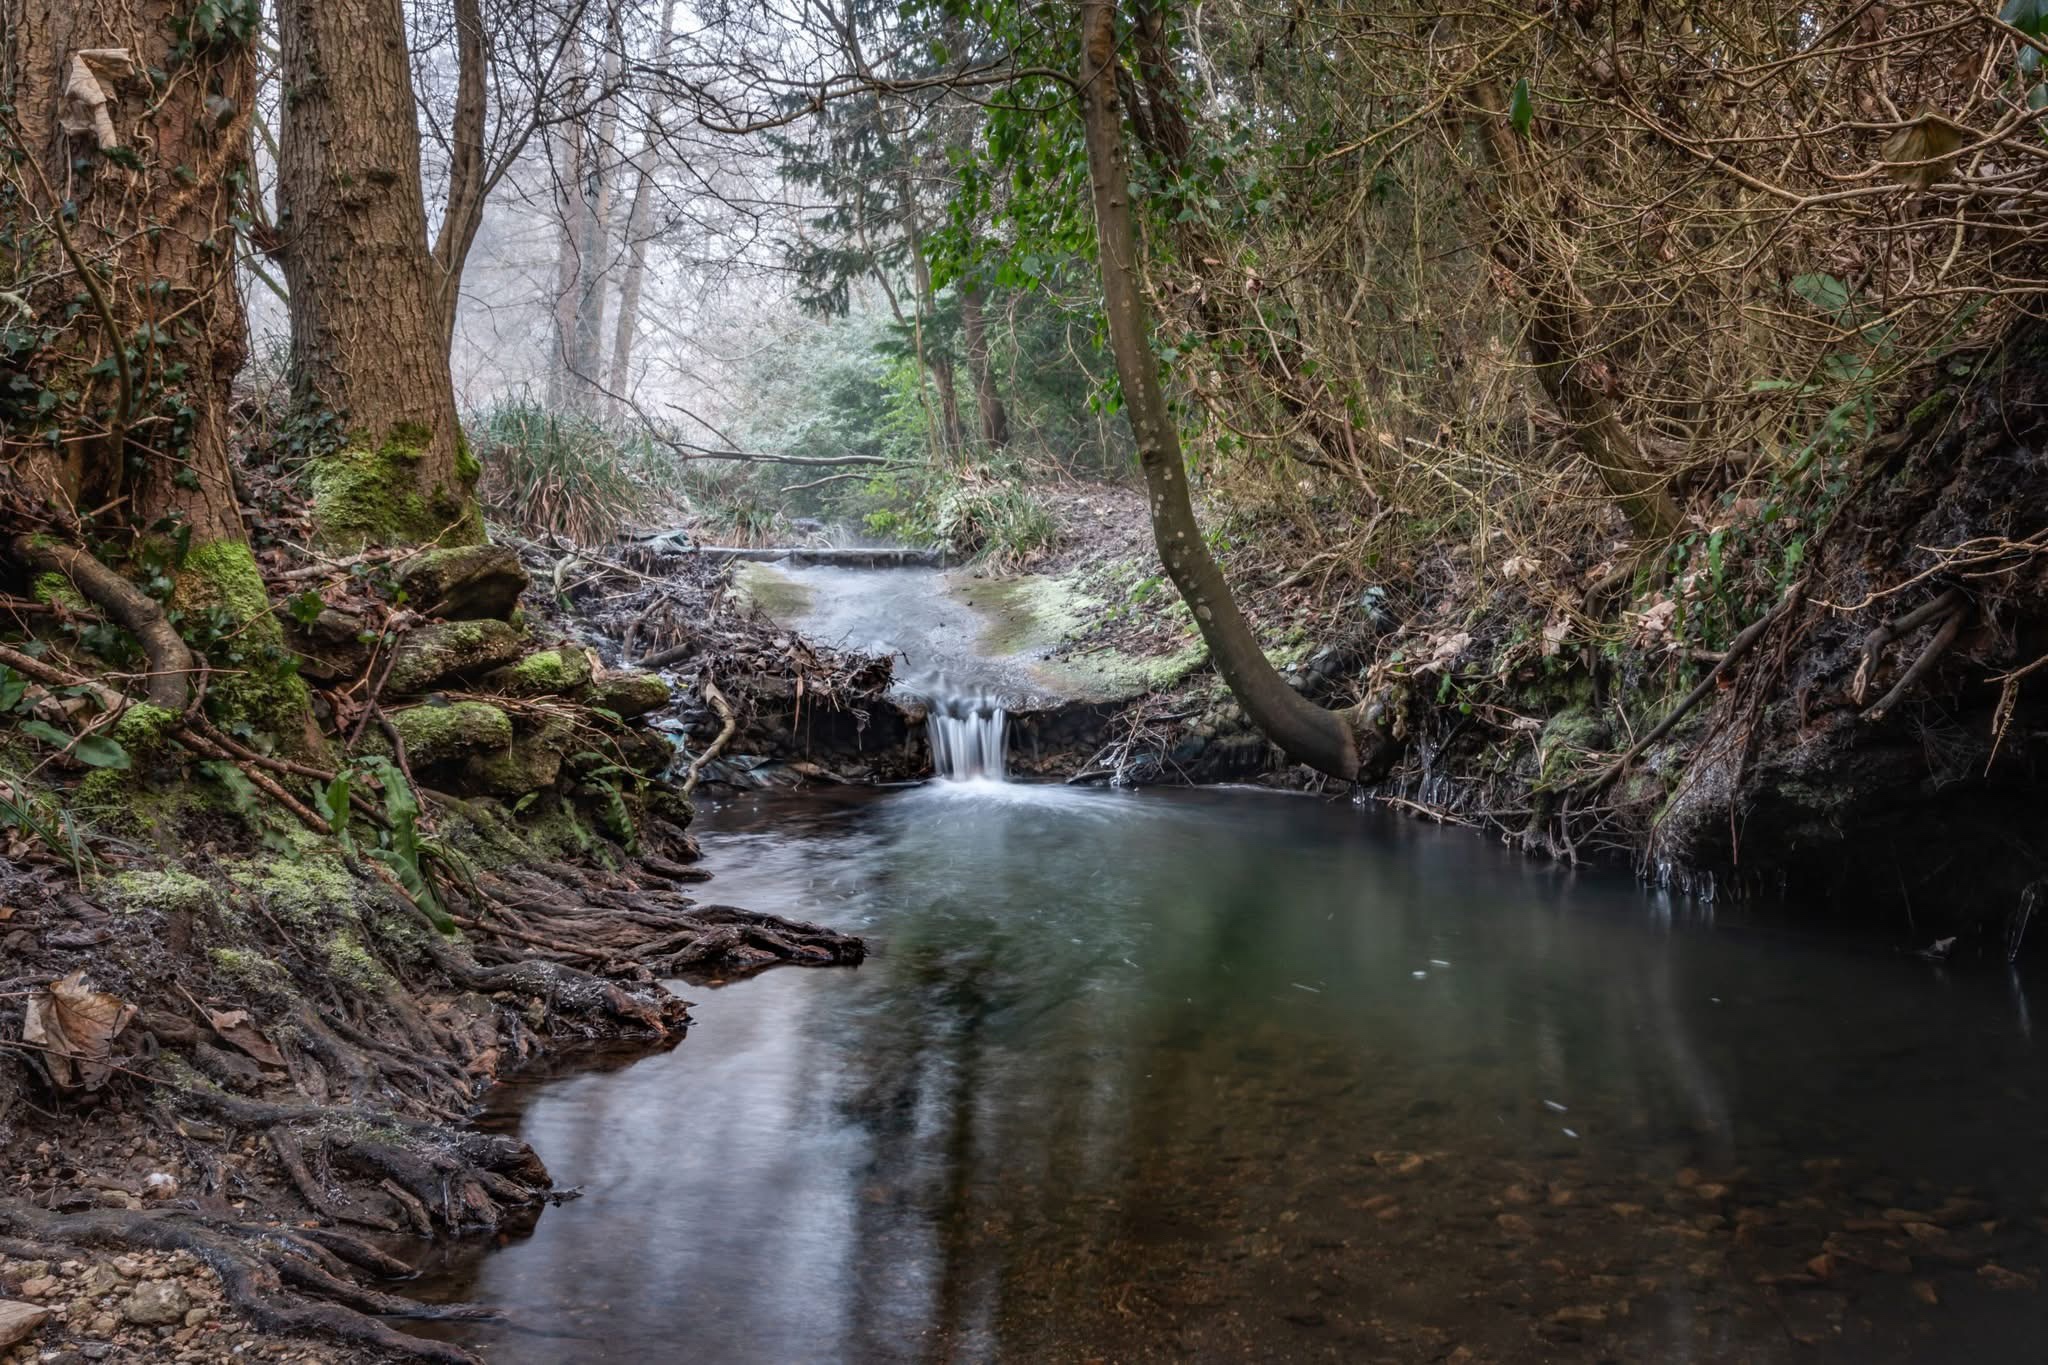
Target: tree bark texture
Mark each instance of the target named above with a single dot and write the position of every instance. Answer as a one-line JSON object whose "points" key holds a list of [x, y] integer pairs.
{"points": [[369, 321], [138, 375], [1325, 740]]}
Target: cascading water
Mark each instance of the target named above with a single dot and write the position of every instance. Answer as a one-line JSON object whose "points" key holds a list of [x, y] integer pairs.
{"points": [[970, 738]]}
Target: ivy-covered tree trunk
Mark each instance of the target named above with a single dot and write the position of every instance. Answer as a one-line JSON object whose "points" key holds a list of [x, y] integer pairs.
{"points": [[123, 142], [369, 340]]}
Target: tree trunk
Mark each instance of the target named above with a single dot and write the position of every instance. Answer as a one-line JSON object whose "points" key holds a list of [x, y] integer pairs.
{"points": [[568, 386], [600, 158], [468, 183], [1556, 342], [995, 421], [130, 210], [369, 330], [639, 224], [1328, 741]]}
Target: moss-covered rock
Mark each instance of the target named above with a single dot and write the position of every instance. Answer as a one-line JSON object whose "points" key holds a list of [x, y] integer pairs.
{"points": [[373, 495], [450, 649], [441, 734], [531, 764], [629, 695], [558, 672], [464, 582]]}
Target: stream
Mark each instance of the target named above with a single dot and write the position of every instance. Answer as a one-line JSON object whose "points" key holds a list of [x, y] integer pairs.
{"points": [[1226, 1075]]}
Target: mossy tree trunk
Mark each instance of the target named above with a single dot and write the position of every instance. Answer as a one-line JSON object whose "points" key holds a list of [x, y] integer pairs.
{"points": [[126, 148], [369, 331]]}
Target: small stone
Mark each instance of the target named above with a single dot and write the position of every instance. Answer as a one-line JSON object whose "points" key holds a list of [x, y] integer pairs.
{"points": [[157, 1303], [1998, 1277], [19, 1320]]}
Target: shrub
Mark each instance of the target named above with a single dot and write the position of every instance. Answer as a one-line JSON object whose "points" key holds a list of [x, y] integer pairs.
{"points": [[561, 474]]}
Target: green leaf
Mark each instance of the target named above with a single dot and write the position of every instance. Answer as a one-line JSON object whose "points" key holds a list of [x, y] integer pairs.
{"points": [[1521, 108], [46, 732], [100, 751], [1823, 291]]}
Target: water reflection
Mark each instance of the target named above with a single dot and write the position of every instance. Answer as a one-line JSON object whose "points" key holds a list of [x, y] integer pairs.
{"points": [[1229, 1076]]}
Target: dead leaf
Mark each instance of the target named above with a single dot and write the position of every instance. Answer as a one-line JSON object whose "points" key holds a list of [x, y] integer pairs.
{"points": [[1924, 150], [234, 1026], [76, 1026], [1554, 633]]}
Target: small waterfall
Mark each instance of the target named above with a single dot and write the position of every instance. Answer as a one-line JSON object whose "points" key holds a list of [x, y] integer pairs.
{"points": [[970, 738]]}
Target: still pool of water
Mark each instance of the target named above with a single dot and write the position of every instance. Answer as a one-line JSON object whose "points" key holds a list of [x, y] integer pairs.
{"points": [[1232, 1076]]}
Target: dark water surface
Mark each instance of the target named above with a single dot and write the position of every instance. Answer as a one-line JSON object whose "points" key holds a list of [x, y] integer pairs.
{"points": [[1234, 1076]]}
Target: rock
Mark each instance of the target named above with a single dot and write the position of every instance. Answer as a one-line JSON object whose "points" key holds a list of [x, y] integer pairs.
{"points": [[1998, 1277], [629, 695], [531, 764], [464, 583], [556, 672], [439, 734], [157, 1303], [449, 649], [18, 1320]]}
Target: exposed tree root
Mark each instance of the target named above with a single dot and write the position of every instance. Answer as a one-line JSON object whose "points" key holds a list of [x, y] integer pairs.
{"points": [[1951, 626], [255, 1263]]}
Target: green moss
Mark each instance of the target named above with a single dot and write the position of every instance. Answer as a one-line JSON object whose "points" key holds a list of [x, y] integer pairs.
{"points": [[301, 893], [468, 467], [1931, 407], [263, 691], [371, 495], [350, 961], [56, 590], [627, 695], [549, 672], [436, 652], [170, 890], [251, 970], [434, 734]]}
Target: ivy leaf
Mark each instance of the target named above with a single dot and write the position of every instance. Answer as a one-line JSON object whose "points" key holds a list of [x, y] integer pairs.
{"points": [[1521, 108]]}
